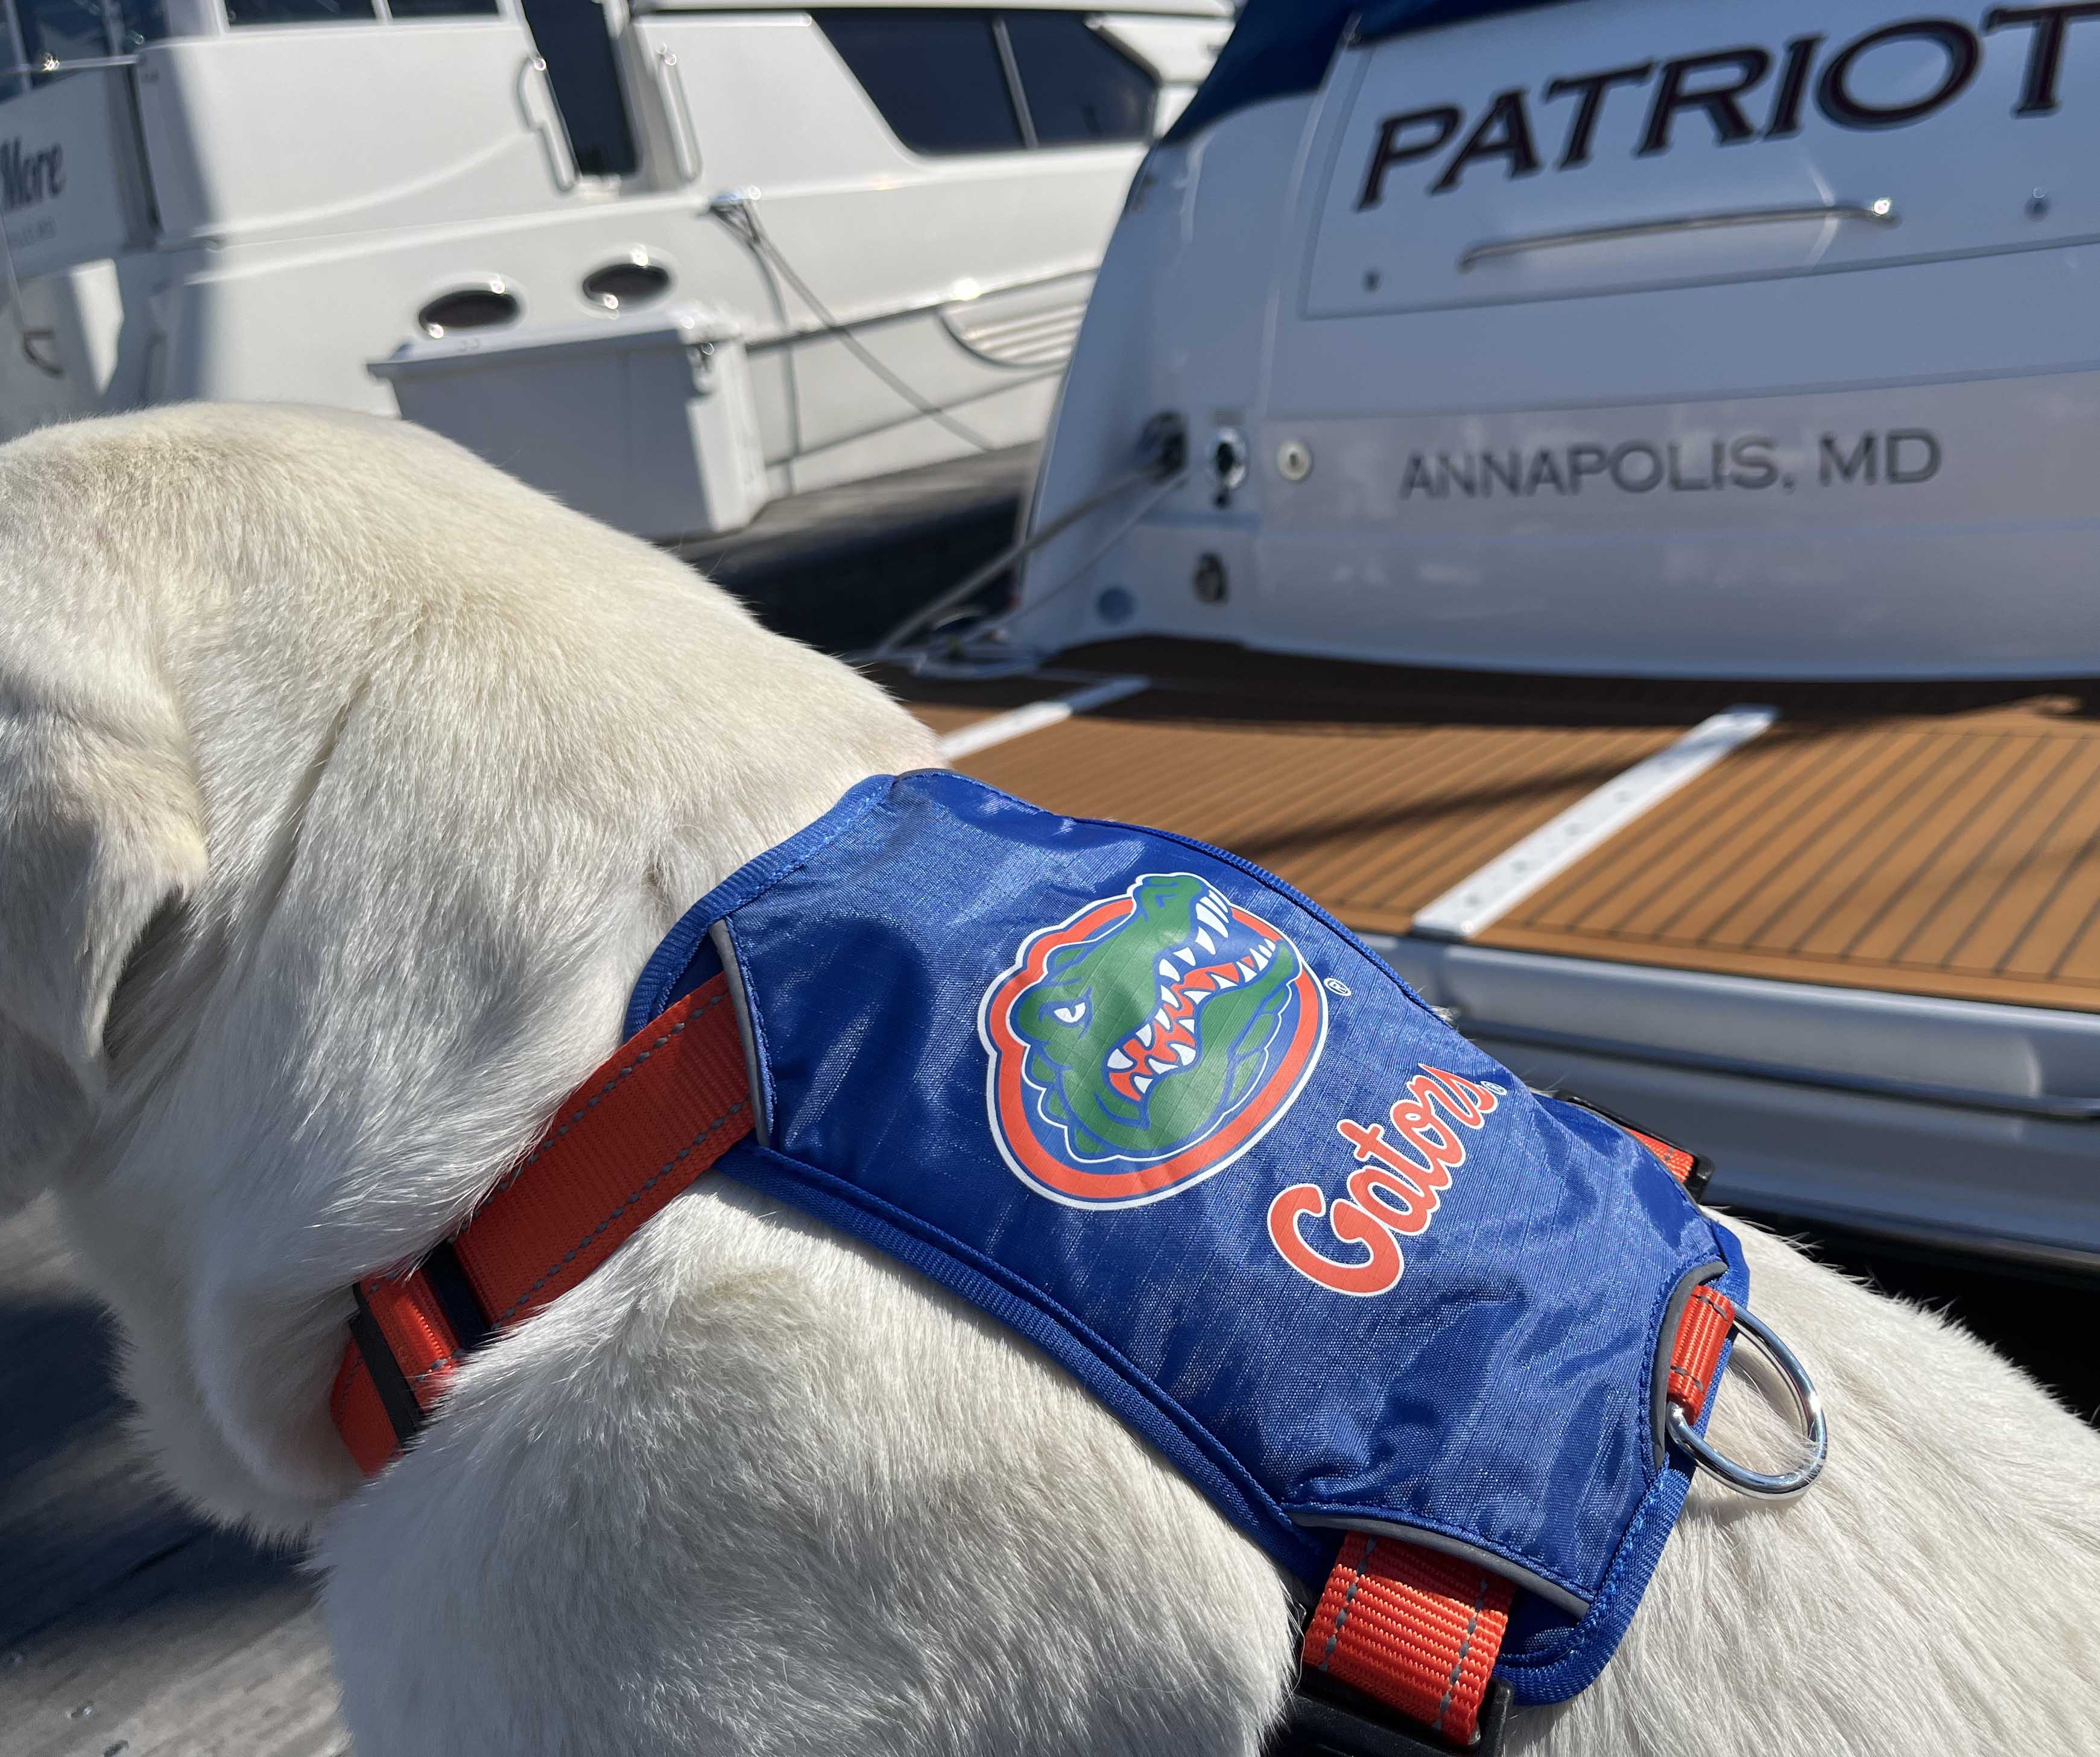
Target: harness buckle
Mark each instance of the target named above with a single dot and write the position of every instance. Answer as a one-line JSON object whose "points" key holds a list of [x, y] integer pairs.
{"points": [[1329, 1719], [1695, 1171]]}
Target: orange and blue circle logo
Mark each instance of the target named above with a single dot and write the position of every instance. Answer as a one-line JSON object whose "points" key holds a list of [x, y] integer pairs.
{"points": [[1145, 1042]]}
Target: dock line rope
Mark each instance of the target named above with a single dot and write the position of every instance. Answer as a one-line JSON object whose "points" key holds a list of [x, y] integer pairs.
{"points": [[738, 209], [1163, 462]]}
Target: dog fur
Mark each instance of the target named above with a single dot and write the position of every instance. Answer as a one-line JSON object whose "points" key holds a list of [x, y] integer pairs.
{"points": [[345, 785]]}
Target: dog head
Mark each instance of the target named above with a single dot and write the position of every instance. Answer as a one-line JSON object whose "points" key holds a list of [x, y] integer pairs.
{"points": [[101, 835], [346, 785]]}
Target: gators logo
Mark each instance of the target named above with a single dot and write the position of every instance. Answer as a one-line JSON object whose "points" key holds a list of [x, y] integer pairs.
{"points": [[1145, 1042]]}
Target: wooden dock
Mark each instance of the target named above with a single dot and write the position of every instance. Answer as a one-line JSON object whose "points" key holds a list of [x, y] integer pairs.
{"points": [[128, 1627]]}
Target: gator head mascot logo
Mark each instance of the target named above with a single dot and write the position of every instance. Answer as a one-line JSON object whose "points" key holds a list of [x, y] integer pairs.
{"points": [[1146, 1042]]}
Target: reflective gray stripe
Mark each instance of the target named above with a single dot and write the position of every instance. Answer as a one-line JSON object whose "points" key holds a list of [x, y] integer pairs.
{"points": [[1485, 1560], [760, 1124]]}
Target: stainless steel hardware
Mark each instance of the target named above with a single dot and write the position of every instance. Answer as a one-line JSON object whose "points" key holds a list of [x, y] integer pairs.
{"points": [[685, 143], [1879, 213], [544, 119]]}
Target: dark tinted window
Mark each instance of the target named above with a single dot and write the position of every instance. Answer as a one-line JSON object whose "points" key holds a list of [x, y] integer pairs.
{"points": [[439, 8], [1079, 86], [67, 30], [469, 308], [71, 30], [935, 77], [620, 285], [295, 12], [572, 40]]}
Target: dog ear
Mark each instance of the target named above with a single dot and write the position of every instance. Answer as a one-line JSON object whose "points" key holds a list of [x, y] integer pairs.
{"points": [[100, 826]]}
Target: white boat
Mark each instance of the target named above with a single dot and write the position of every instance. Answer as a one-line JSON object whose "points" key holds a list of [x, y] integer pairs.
{"points": [[1690, 413], [669, 260], [1751, 338]]}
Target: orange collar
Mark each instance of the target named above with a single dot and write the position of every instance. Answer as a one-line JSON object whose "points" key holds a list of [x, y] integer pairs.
{"points": [[652, 1118]]}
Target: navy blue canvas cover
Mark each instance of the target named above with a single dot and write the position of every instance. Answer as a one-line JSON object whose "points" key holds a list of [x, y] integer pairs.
{"points": [[1281, 47], [1168, 1119]]}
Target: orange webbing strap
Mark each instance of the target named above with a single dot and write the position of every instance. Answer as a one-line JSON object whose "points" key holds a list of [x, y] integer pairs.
{"points": [[1416, 1629], [360, 1418], [1676, 1159], [659, 1113], [1710, 1314], [1693, 1171]]}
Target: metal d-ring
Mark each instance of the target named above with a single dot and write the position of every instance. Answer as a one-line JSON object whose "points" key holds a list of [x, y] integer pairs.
{"points": [[1809, 1406]]}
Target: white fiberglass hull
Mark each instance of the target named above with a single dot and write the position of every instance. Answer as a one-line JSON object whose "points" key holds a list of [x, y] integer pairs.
{"points": [[1862, 439], [230, 212]]}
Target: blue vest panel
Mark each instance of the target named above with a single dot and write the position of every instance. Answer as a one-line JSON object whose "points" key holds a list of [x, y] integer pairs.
{"points": [[1162, 1116]]}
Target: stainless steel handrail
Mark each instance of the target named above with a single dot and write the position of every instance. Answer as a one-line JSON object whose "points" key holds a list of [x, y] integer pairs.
{"points": [[1881, 212], [552, 129], [685, 143], [51, 64]]}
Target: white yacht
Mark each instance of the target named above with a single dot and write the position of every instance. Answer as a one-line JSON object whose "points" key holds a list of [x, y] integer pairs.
{"points": [[669, 260], [1751, 338]]}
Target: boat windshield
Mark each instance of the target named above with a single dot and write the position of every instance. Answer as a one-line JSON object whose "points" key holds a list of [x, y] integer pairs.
{"points": [[44, 32]]}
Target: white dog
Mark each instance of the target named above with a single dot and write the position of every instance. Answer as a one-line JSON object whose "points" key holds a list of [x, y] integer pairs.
{"points": [[345, 785]]}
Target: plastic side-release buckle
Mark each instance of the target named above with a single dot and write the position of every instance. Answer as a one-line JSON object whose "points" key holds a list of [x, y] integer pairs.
{"points": [[1328, 1719], [1695, 1171]]}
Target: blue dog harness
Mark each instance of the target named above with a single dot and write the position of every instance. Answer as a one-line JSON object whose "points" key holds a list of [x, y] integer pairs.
{"points": [[1440, 1344], [1164, 1116]]}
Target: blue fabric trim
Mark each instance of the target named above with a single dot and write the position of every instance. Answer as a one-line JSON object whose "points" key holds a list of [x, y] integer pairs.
{"points": [[758, 1049], [654, 988], [1381, 18], [1141, 1404], [1278, 47], [1355, 1511], [705, 963], [1559, 1664]]}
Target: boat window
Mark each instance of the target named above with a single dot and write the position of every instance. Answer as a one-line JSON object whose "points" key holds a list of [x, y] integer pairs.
{"points": [[1079, 86], [938, 76], [73, 30], [488, 307], [440, 8], [297, 11], [573, 41], [633, 280], [141, 22], [61, 30]]}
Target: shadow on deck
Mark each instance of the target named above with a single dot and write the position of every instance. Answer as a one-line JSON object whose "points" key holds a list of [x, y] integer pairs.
{"points": [[128, 1627]]}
